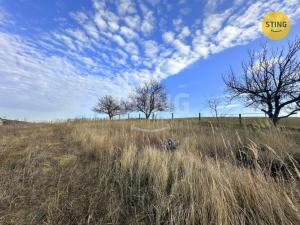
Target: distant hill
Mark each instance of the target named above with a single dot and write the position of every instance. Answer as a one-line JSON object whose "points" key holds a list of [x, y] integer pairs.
{"points": [[9, 122]]}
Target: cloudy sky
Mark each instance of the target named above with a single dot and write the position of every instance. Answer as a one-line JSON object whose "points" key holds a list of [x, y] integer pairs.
{"points": [[58, 56]]}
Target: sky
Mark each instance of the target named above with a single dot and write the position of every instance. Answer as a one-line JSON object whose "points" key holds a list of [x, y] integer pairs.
{"points": [[57, 57]]}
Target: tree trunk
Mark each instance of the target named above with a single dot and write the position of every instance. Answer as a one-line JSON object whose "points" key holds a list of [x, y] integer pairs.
{"points": [[275, 118], [275, 121], [217, 116]]}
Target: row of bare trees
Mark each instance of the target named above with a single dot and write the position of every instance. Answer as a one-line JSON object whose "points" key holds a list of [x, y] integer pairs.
{"points": [[270, 81], [148, 98]]}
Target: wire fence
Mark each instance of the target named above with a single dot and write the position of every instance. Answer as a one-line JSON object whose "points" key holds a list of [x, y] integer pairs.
{"points": [[183, 116], [163, 116], [232, 118]]}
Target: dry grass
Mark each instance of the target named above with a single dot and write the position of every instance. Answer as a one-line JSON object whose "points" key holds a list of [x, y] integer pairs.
{"points": [[102, 172]]}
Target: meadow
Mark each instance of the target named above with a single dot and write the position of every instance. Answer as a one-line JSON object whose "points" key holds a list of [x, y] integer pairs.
{"points": [[106, 172]]}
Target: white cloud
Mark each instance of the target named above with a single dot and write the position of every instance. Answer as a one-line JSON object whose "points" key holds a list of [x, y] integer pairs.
{"points": [[99, 5], [113, 25], [126, 7], [151, 49], [146, 27], [77, 34], [122, 53], [91, 30], [100, 22], [171, 66], [144, 8], [177, 23], [131, 48], [128, 33], [214, 22], [5, 19], [201, 45], [230, 106], [119, 40], [211, 5], [65, 40], [168, 37], [133, 21], [80, 17], [185, 32], [134, 58], [148, 23], [181, 47], [41, 83]]}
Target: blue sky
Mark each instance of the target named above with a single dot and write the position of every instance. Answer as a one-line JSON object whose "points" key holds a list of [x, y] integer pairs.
{"points": [[58, 56]]}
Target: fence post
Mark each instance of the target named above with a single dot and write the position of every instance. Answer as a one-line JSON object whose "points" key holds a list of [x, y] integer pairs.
{"points": [[139, 116], [199, 116], [119, 116], [240, 119], [152, 116], [172, 116], [128, 116]]}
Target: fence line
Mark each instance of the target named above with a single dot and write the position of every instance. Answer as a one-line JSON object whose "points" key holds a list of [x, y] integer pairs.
{"points": [[172, 116], [180, 116], [167, 116]]}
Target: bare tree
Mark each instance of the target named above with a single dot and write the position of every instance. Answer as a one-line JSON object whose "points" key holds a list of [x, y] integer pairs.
{"points": [[149, 98], [270, 81], [110, 106], [214, 104]]}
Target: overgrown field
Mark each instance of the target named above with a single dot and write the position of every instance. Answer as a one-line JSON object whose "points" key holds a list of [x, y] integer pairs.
{"points": [[105, 172]]}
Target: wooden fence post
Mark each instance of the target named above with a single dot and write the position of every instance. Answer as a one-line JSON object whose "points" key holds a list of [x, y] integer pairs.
{"points": [[172, 116], [240, 119], [139, 116], [199, 116], [128, 116]]}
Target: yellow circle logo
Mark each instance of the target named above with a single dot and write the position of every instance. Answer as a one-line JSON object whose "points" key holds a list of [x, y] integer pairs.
{"points": [[276, 25]]}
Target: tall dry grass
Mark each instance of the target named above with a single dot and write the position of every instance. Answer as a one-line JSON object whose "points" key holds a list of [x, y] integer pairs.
{"points": [[103, 172]]}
